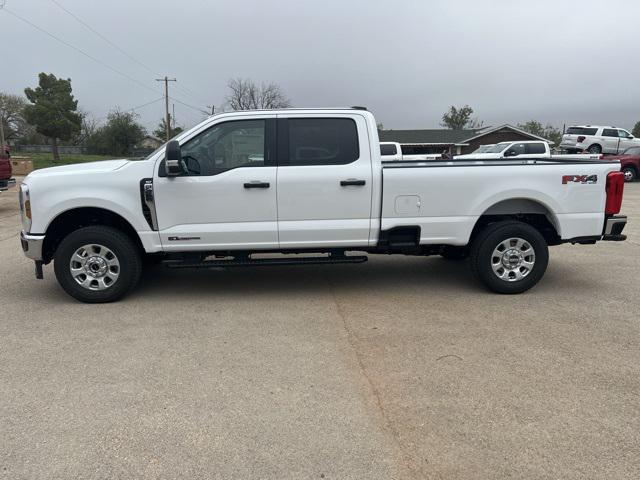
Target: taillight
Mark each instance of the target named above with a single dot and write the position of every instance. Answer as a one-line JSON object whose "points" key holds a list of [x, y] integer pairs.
{"points": [[614, 189], [581, 139]]}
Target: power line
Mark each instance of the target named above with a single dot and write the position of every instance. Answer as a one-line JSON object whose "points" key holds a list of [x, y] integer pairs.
{"points": [[145, 104], [200, 110], [91, 57], [120, 49]]}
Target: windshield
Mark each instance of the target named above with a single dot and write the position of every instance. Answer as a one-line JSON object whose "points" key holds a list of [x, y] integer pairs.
{"points": [[497, 148], [632, 151], [482, 148]]}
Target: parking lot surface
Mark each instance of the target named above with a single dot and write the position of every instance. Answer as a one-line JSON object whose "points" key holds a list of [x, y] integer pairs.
{"points": [[400, 368]]}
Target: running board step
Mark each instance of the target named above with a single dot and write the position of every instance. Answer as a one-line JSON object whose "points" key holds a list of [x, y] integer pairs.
{"points": [[259, 262]]}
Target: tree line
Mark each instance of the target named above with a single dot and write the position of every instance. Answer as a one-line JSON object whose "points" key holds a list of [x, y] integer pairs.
{"points": [[49, 114]]}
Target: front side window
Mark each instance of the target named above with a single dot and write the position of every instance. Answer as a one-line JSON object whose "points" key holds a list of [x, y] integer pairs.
{"points": [[225, 146], [623, 134], [516, 149], [323, 141]]}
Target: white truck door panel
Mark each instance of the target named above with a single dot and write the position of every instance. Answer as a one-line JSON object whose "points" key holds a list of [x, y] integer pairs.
{"points": [[227, 197], [324, 181]]}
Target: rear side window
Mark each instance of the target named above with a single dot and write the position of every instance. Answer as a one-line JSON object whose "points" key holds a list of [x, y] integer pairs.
{"points": [[388, 150], [581, 131], [323, 141], [535, 148], [610, 132]]}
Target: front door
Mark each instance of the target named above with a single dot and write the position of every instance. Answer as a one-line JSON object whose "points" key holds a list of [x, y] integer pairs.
{"points": [[324, 181], [226, 196]]}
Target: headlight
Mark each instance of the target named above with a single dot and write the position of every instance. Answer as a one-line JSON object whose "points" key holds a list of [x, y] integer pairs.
{"points": [[25, 207]]}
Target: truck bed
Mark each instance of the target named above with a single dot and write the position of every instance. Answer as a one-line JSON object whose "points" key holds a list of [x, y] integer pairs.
{"points": [[446, 206]]}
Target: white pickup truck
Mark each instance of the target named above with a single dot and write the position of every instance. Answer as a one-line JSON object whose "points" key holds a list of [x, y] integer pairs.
{"points": [[310, 185], [520, 149]]}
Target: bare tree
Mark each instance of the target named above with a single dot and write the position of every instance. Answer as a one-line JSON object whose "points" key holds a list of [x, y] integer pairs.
{"points": [[88, 127], [245, 94], [12, 115]]}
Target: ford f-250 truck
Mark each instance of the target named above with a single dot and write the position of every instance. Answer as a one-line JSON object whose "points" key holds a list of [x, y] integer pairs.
{"points": [[303, 183]]}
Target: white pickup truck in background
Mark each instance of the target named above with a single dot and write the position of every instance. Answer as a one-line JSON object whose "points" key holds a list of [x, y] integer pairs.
{"points": [[526, 148], [302, 182], [392, 152]]}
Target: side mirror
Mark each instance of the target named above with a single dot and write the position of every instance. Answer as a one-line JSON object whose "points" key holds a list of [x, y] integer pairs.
{"points": [[172, 158], [510, 153]]}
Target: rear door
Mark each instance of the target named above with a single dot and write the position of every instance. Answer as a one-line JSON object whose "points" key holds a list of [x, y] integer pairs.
{"points": [[324, 181], [610, 140]]}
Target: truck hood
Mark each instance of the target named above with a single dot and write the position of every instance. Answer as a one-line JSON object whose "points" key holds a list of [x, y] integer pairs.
{"points": [[79, 168]]}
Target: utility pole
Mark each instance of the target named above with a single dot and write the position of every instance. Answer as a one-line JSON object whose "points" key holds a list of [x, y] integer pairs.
{"points": [[213, 109], [167, 125]]}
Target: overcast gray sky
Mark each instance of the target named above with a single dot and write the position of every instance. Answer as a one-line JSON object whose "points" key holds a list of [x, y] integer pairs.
{"points": [[556, 61]]}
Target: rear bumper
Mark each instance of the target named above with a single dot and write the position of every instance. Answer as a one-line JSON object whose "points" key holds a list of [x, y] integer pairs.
{"points": [[613, 227], [5, 184], [32, 245]]}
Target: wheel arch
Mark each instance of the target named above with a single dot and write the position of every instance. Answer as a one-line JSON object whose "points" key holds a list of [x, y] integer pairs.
{"points": [[527, 210], [73, 219]]}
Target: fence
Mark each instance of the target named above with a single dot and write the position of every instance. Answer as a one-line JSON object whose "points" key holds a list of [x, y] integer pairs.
{"points": [[76, 150], [67, 149]]}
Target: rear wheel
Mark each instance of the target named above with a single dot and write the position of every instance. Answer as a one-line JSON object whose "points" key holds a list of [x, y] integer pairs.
{"points": [[97, 264], [595, 148], [509, 257], [630, 174]]}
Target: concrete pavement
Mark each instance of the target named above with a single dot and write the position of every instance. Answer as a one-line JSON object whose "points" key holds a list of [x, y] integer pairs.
{"points": [[400, 368]]}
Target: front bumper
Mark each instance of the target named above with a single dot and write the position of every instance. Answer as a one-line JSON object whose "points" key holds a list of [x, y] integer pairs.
{"points": [[613, 227], [5, 184], [32, 245]]}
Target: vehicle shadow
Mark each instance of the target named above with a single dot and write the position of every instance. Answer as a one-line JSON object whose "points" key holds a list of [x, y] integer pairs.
{"points": [[381, 274]]}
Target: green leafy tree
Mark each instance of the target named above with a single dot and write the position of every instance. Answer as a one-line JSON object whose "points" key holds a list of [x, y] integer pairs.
{"points": [[53, 110], [161, 131], [636, 130], [460, 118], [118, 136], [545, 131]]}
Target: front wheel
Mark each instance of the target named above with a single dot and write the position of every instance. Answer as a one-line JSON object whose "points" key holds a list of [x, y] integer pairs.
{"points": [[97, 264], [509, 257]]}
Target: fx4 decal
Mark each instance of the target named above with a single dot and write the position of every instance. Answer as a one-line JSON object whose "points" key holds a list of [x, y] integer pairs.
{"points": [[579, 179]]}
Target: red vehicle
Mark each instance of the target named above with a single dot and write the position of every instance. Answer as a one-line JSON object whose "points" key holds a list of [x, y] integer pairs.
{"points": [[5, 172], [629, 163]]}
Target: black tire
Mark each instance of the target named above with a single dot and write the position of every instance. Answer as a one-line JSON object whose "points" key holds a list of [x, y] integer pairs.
{"points": [[120, 245], [595, 148], [454, 253], [630, 174], [490, 238]]}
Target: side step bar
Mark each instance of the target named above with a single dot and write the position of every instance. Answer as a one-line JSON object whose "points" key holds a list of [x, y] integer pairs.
{"points": [[260, 262]]}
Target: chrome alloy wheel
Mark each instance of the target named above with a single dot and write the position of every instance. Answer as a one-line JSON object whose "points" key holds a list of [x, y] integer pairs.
{"points": [[94, 267], [513, 259], [628, 175]]}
